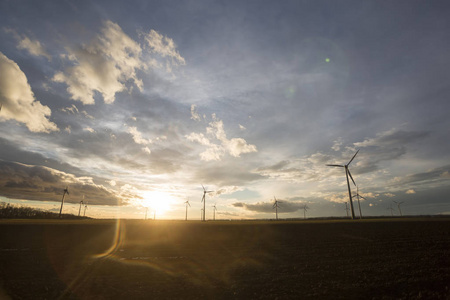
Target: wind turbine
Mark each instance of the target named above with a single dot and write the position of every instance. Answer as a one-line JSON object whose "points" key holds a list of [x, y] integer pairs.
{"points": [[85, 207], [347, 173], [204, 202], [187, 203], [392, 210], [276, 204], [346, 208], [79, 210], [359, 204], [214, 210], [305, 208], [146, 212], [398, 205], [66, 191]]}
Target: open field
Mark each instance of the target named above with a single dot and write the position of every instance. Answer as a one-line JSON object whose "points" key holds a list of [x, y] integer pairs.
{"points": [[98, 259]]}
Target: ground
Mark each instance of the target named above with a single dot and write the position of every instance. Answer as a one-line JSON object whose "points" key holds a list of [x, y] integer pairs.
{"points": [[342, 259]]}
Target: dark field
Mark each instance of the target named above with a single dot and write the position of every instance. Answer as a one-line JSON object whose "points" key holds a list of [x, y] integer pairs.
{"points": [[369, 259]]}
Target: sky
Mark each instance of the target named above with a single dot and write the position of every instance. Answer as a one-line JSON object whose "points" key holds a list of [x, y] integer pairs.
{"points": [[134, 105]]}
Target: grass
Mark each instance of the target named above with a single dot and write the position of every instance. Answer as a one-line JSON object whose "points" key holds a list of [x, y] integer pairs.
{"points": [[321, 259]]}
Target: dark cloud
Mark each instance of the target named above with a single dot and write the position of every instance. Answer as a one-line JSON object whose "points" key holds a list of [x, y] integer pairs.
{"points": [[30, 182], [267, 207]]}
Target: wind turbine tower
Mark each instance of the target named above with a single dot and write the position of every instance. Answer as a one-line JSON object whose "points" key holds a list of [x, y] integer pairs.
{"points": [[79, 210], [391, 209], [347, 173], [276, 205], [398, 205], [305, 208], [359, 204], [85, 207], [187, 203], [346, 208], [146, 212], [214, 211], [66, 191], [204, 202]]}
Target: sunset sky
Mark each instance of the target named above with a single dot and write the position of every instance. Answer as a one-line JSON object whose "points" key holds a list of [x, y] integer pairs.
{"points": [[135, 104]]}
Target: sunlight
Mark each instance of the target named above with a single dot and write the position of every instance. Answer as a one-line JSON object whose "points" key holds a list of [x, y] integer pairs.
{"points": [[157, 200]]}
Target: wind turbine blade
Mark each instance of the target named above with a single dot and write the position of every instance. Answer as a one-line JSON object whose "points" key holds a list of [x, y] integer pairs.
{"points": [[203, 187], [353, 157], [351, 176], [341, 166]]}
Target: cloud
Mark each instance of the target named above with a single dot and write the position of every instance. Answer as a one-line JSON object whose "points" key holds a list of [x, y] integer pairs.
{"points": [[104, 65], [34, 47], [32, 182], [194, 114], [267, 207], [434, 177], [18, 99], [137, 137], [165, 47], [234, 147], [410, 191]]}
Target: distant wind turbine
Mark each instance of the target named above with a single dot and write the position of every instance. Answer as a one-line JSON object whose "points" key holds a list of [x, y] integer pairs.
{"points": [[305, 208], [347, 173], [276, 205], [66, 191], [146, 212], [204, 202], [357, 195], [187, 203], [346, 208], [79, 210], [85, 207], [392, 210], [214, 210], [398, 205]]}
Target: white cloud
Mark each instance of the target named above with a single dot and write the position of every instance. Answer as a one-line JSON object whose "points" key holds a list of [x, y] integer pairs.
{"points": [[410, 191], [194, 114], [104, 65], [34, 47], [68, 129], [165, 47], [137, 137], [18, 99], [112, 183], [234, 147], [91, 130], [241, 127], [337, 144]]}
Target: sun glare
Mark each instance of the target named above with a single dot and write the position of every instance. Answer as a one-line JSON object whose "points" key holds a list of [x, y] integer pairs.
{"points": [[158, 201]]}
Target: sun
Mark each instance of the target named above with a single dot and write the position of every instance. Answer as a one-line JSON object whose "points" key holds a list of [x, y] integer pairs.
{"points": [[158, 201]]}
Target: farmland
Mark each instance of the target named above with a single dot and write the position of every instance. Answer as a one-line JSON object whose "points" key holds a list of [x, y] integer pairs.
{"points": [[341, 259]]}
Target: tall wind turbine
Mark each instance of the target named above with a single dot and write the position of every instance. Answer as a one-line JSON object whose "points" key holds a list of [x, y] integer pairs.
{"points": [[276, 205], [187, 203], [398, 205], [79, 210], [305, 208], [204, 202], [85, 207], [66, 191], [347, 173], [359, 204], [214, 210]]}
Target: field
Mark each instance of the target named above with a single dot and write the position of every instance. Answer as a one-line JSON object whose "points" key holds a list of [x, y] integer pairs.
{"points": [[343, 259]]}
